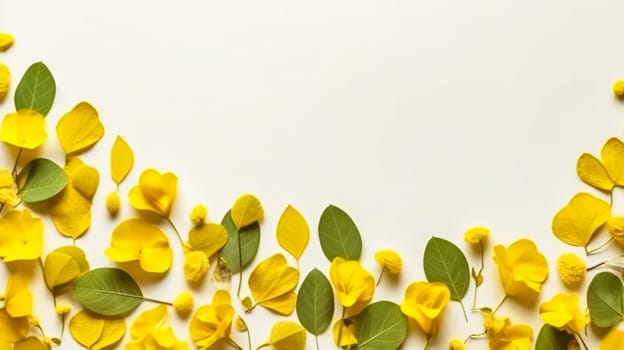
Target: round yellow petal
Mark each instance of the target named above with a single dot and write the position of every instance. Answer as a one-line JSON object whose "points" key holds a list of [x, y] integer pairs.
{"points": [[25, 129], [5, 80]]}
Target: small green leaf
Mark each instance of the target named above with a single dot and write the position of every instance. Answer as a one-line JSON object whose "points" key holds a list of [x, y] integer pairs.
{"points": [[338, 235], [604, 300], [107, 291], [381, 326], [550, 338], [444, 262], [36, 89], [315, 303], [249, 242], [41, 179]]}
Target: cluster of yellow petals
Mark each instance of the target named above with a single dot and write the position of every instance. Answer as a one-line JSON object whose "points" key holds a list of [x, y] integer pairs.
{"points": [[354, 286], [424, 303], [151, 331], [345, 329], [212, 323], [22, 236], [503, 335], [521, 267], [155, 192], [8, 188], [564, 313]]}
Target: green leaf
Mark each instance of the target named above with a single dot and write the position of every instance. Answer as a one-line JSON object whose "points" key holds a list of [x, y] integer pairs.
{"points": [[381, 326], [107, 291], [36, 89], [338, 235], [604, 300], [41, 179], [249, 242], [444, 262], [550, 338], [315, 303]]}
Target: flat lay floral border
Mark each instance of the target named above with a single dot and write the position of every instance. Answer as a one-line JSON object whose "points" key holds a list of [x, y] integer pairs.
{"points": [[108, 295]]}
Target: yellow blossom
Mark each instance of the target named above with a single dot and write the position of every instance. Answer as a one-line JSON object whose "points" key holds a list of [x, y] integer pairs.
{"points": [[195, 265], [6, 41], [18, 301], [62, 309], [491, 322], [476, 234], [389, 260], [198, 214], [113, 203], [618, 88], [512, 337], [571, 268], [521, 267], [615, 226], [212, 323], [613, 340], [424, 303], [8, 188], [183, 303], [5, 80], [151, 331], [25, 129], [13, 329], [345, 329], [22, 236], [457, 344], [564, 313], [354, 286], [155, 192]]}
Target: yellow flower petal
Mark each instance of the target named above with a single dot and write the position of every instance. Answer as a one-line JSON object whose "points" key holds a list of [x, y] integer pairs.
{"points": [[345, 329], [6, 41], [424, 303], [13, 329], [390, 260], [592, 172], [5, 80], [155, 192], [18, 301], [512, 337], [79, 129], [147, 321], [293, 233], [212, 323], [247, 210], [612, 154], [122, 160], [22, 237], [60, 268], [25, 129], [577, 222], [96, 332], [272, 283], [287, 335], [564, 313], [520, 266], [613, 340], [8, 188], [354, 286]]}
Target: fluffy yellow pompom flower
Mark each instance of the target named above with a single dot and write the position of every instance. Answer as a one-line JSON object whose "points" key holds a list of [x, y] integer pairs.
{"points": [[113, 203], [389, 260], [8, 188], [183, 303], [5, 80], [195, 265], [424, 303], [212, 323], [6, 41], [564, 313], [521, 267], [457, 344], [24, 129], [476, 234], [198, 214], [618, 88], [155, 192], [354, 286], [571, 268], [62, 309], [22, 236], [344, 329]]}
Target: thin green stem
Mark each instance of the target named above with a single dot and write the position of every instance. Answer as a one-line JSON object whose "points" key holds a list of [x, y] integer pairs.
{"points": [[591, 268], [611, 198], [157, 301], [464, 310], [233, 343], [240, 265], [383, 269], [316, 341], [176, 231], [341, 325], [428, 343], [578, 336], [594, 250], [474, 297], [19, 154], [499, 304]]}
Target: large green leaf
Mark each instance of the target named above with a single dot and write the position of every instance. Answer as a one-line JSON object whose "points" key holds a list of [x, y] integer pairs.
{"points": [[249, 242], [338, 235], [550, 338], [444, 262], [36, 90], [315, 303], [381, 326], [604, 300], [41, 179], [107, 291]]}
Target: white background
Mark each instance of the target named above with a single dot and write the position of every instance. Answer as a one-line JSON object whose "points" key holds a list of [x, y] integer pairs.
{"points": [[418, 118]]}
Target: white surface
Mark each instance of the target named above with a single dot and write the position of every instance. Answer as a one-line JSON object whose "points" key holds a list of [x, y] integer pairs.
{"points": [[418, 118]]}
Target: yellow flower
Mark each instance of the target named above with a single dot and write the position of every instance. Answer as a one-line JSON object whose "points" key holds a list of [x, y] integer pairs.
{"points": [[25, 129], [491, 323], [62, 309], [457, 344], [151, 331], [8, 188], [22, 236], [571, 268], [477, 234], [6, 41], [354, 285], [512, 337], [389, 260], [113, 203], [13, 329], [346, 334], [521, 267], [155, 192], [198, 214], [183, 303], [618, 88], [613, 340], [137, 239], [563, 312], [5, 80], [615, 225], [212, 323], [424, 303], [18, 300], [195, 265]]}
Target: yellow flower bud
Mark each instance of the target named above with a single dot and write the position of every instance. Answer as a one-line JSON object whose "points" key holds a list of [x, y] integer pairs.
{"points": [[476, 234], [6, 41], [390, 260], [62, 309], [5, 80], [571, 268], [618, 88], [198, 214], [183, 303], [457, 344], [113, 203], [195, 265]]}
